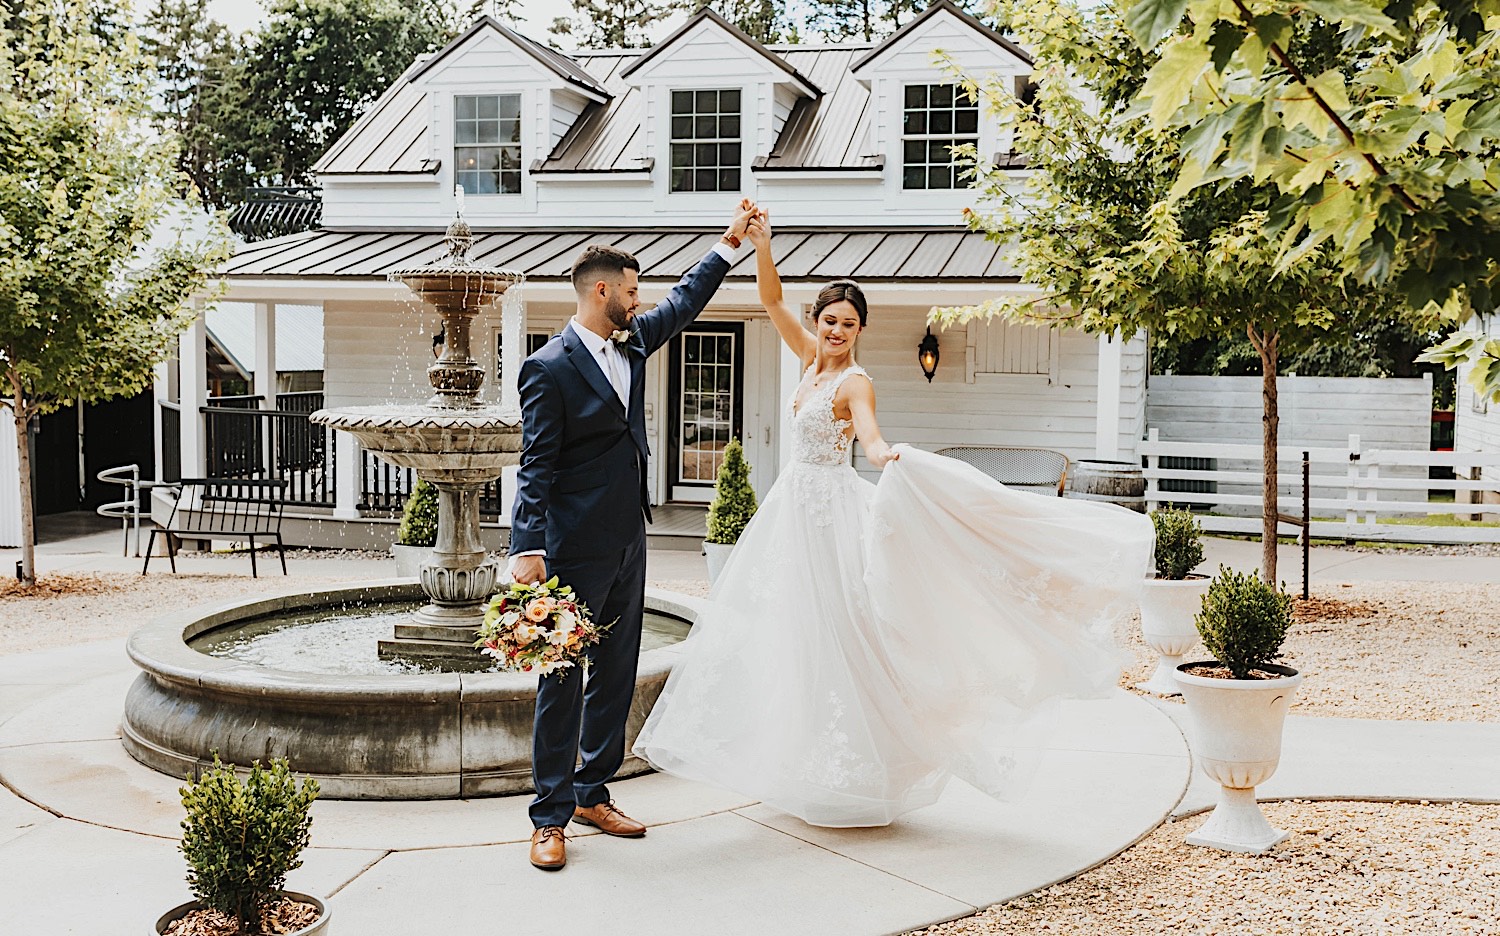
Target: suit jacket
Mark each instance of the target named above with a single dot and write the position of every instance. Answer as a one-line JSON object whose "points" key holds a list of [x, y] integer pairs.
{"points": [[581, 491]]}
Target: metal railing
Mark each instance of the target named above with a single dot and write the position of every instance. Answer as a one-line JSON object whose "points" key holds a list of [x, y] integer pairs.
{"points": [[276, 445], [171, 442], [384, 487], [130, 510], [271, 211]]}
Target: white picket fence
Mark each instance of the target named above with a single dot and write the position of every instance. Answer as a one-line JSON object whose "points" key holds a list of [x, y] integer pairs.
{"points": [[1346, 483]]}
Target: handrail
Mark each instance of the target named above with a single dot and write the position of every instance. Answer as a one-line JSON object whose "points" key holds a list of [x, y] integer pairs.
{"points": [[129, 511]]}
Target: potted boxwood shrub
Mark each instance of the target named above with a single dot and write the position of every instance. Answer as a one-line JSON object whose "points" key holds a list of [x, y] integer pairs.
{"points": [[1237, 705], [1172, 598], [418, 530], [240, 840], [731, 510]]}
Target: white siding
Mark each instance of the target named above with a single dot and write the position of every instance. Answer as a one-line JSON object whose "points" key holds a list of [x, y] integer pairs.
{"points": [[566, 106], [1385, 412], [488, 60], [952, 36], [782, 102], [10, 483], [1476, 421]]}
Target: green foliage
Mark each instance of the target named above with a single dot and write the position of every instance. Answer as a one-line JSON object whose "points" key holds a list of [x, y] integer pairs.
{"points": [[1178, 546], [1243, 621], [765, 21], [1376, 124], [865, 20], [419, 517], [614, 24], [242, 838], [734, 498], [94, 282]]}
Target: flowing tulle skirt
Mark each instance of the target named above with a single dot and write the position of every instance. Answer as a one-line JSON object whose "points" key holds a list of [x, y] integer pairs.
{"points": [[865, 643]]}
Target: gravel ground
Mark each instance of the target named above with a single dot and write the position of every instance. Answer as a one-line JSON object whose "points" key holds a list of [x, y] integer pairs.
{"points": [[1399, 650], [1412, 549], [1348, 868]]}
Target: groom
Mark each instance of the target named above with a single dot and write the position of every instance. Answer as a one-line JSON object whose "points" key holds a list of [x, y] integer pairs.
{"points": [[580, 514]]}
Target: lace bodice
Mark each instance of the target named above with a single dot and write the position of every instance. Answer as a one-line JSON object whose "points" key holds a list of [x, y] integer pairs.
{"points": [[819, 437]]}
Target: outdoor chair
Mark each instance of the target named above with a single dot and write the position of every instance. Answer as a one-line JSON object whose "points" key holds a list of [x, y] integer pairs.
{"points": [[1040, 471], [224, 508]]}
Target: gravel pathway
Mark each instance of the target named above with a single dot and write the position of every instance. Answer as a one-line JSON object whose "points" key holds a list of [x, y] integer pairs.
{"points": [[1396, 650], [1348, 868]]}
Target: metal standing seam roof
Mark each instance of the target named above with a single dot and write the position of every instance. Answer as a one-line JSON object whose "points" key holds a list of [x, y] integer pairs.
{"points": [[390, 137], [807, 255], [299, 335]]}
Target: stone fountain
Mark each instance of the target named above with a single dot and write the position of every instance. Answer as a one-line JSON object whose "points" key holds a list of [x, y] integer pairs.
{"points": [[455, 442]]}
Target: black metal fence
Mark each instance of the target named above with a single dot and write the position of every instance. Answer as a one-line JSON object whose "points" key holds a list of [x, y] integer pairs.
{"points": [[271, 211], [384, 487], [274, 444], [171, 442]]}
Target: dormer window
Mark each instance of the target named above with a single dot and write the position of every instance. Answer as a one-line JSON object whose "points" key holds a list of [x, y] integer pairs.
{"points": [[937, 118], [487, 143], [706, 141]]}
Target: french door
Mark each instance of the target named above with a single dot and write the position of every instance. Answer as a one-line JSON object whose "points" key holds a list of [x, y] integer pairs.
{"points": [[705, 398]]}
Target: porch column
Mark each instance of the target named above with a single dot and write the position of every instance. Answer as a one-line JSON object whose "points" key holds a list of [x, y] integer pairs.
{"points": [[192, 353], [265, 353], [161, 391], [347, 475], [1107, 415]]}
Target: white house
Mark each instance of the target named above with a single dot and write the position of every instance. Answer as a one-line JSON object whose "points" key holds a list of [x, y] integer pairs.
{"points": [[649, 150], [1476, 420]]}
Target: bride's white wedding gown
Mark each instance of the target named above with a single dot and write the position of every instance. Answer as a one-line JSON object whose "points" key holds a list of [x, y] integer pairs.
{"points": [[866, 642]]}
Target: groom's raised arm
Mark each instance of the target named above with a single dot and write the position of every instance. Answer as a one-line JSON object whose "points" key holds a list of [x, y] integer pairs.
{"points": [[541, 441], [686, 300]]}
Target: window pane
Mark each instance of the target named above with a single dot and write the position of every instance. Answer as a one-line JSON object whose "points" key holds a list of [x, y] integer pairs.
{"points": [[707, 127], [489, 157], [937, 151], [682, 102], [463, 132], [510, 182], [682, 128], [914, 177], [682, 155], [682, 180], [913, 151], [706, 180], [916, 122], [941, 122], [729, 180], [463, 107], [916, 95], [729, 154], [510, 107], [729, 102], [941, 96], [708, 102], [707, 154], [487, 131], [510, 131], [729, 126], [967, 120], [489, 106], [485, 183], [940, 177], [510, 158], [466, 158]]}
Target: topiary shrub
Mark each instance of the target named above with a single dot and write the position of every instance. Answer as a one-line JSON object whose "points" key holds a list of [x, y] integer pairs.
{"points": [[1178, 550], [734, 498], [1243, 621], [419, 518], [241, 839]]}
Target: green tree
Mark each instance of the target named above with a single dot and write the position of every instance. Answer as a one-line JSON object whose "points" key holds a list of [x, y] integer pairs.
{"points": [[1390, 156], [199, 66], [614, 24], [1113, 247], [765, 21], [85, 313], [506, 11], [734, 499], [315, 66], [866, 20]]}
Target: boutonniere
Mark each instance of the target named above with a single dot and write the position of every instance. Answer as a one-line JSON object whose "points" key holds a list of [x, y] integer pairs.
{"points": [[621, 336]]}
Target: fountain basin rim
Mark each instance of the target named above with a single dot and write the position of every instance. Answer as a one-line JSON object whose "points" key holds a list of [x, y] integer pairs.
{"points": [[416, 416], [161, 650]]}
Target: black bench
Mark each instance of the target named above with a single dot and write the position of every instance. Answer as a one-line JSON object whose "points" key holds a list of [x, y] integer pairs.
{"points": [[224, 508]]}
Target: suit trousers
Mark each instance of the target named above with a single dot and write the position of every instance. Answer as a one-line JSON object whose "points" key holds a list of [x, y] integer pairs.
{"points": [[578, 741]]}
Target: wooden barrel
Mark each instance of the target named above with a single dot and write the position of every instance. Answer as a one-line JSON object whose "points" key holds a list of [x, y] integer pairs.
{"points": [[1115, 482]]}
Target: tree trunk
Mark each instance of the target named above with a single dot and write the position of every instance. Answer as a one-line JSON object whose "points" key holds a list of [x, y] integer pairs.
{"points": [[1269, 346], [22, 416]]}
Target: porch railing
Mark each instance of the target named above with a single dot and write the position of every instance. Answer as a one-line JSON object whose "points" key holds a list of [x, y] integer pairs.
{"points": [[278, 445], [171, 442], [384, 487]]}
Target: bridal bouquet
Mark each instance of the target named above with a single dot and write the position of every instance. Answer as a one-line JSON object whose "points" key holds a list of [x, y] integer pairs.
{"points": [[537, 628]]}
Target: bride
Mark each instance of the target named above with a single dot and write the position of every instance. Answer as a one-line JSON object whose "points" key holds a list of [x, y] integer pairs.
{"points": [[867, 642]]}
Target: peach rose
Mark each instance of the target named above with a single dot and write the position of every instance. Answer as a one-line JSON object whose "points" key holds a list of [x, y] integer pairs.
{"points": [[537, 610]]}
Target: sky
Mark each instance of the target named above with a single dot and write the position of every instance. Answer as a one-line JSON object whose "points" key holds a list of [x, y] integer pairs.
{"points": [[243, 15]]}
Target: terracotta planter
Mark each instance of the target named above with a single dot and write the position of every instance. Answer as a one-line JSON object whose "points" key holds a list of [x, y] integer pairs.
{"points": [[1168, 607], [319, 928], [1236, 727], [717, 554], [409, 559]]}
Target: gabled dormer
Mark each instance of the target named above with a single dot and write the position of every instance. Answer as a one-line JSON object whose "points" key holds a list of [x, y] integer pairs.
{"points": [[918, 112], [715, 100]]}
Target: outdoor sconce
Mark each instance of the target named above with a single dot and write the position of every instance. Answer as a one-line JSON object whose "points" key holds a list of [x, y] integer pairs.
{"points": [[927, 355], [438, 340]]}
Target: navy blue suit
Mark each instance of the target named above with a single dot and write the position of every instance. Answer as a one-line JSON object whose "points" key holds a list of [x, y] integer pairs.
{"points": [[581, 495]]}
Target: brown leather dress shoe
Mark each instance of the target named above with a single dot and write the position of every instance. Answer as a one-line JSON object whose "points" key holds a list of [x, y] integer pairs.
{"points": [[609, 820], [549, 850]]}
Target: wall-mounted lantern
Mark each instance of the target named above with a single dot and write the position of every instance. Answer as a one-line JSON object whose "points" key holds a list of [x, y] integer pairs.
{"points": [[927, 355]]}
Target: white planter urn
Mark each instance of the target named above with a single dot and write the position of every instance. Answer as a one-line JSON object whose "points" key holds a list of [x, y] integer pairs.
{"points": [[717, 554], [319, 927], [1168, 607], [409, 559], [1235, 727]]}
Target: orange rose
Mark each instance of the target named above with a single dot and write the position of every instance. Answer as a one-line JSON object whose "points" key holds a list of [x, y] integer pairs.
{"points": [[537, 610]]}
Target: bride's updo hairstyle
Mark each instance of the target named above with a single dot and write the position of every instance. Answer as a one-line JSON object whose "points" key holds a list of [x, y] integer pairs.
{"points": [[842, 290]]}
